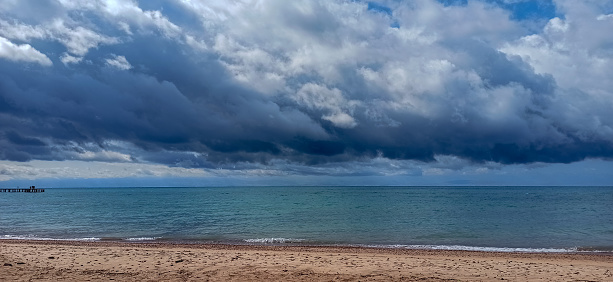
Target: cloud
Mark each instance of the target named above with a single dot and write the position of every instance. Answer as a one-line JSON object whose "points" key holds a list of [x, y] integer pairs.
{"points": [[23, 53], [577, 55], [306, 86], [77, 39], [90, 170], [126, 14], [119, 62], [330, 101], [68, 59]]}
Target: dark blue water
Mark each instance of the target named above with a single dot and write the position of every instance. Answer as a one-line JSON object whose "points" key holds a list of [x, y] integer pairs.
{"points": [[497, 218]]}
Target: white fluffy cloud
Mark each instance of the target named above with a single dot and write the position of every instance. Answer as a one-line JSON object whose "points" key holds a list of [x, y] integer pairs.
{"points": [[77, 39], [22, 53], [126, 14], [578, 54], [423, 65], [284, 48], [331, 101], [68, 59], [119, 62]]}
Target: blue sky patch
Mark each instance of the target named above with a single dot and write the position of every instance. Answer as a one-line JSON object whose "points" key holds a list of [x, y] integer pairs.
{"points": [[379, 8], [520, 10], [383, 9], [531, 10]]}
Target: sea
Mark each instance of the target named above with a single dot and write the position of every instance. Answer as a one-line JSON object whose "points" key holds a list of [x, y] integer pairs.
{"points": [[504, 219]]}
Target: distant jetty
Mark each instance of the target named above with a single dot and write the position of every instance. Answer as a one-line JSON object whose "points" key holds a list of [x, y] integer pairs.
{"points": [[32, 189]]}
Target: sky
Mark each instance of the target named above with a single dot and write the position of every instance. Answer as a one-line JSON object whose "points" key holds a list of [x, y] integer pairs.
{"points": [[305, 92]]}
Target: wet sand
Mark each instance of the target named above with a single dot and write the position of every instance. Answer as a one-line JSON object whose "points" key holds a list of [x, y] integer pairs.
{"points": [[106, 261]]}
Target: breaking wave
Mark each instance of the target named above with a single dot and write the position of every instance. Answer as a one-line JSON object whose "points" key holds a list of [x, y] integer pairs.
{"points": [[274, 240], [137, 239], [478, 249], [32, 237]]}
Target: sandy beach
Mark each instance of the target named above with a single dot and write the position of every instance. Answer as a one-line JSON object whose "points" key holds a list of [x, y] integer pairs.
{"points": [[107, 261]]}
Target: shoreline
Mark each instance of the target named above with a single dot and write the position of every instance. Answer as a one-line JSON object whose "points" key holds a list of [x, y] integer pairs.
{"points": [[307, 247], [155, 261], [280, 242]]}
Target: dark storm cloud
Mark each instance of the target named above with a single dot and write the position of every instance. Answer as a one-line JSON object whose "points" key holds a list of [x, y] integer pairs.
{"points": [[229, 95], [17, 139], [95, 103]]}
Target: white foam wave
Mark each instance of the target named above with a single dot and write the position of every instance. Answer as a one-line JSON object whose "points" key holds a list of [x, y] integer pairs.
{"points": [[32, 237], [142, 239], [89, 239], [274, 240], [478, 249]]}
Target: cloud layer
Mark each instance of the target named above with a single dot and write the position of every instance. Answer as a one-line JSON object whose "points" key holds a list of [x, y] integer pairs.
{"points": [[305, 87]]}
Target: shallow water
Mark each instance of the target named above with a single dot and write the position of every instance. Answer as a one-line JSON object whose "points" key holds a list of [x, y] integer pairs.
{"points": [[480, 218]]}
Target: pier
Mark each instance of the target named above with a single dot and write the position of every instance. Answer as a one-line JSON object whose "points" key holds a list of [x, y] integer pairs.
{"points": [[32, 189]]}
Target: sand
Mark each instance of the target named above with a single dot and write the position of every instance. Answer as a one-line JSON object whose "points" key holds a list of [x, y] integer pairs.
{"points": [[106, 261]]}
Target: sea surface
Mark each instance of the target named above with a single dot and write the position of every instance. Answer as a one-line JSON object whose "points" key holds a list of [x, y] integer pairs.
{"points": [[529, 219]]}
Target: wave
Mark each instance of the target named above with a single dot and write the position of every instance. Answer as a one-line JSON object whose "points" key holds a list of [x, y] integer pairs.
{"points": [[32, 237], [84, 239], [478, 249], [142, 239], [275, 240]]}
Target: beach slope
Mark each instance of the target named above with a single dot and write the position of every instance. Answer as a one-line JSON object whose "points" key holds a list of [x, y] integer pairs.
{"points": [[102, 261]]}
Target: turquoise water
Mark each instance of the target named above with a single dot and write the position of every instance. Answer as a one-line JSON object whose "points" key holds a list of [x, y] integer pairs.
{"points": [[480, 218]]}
